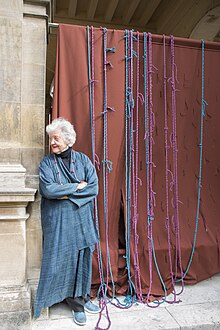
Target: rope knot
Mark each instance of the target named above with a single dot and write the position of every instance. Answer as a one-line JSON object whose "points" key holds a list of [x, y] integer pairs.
{"points": [[108, 63], [204, 104], [112, 49], [92, 81], [128, 58], [97, 162], [108, 164], [135, 53], [150, 218]]}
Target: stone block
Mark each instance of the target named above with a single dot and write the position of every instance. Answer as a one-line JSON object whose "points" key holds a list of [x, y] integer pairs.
{"points": [[32, 181], [13, 255], [30, 158], [31, 6], [10, 227], [33, 83], [197, 316], [14, 298], [10, 59], [32, 126], [34, 249], [10, 153], [8, 6], [34, 210], [45, 313], [19, 320], [10, 123], [34, 40], [12, 175], [34, 237], [15, 198]]}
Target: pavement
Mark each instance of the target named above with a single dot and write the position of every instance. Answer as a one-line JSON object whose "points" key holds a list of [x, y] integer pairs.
{"points": [[199, 309]]}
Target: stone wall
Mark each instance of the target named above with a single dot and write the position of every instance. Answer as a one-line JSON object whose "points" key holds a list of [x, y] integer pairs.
{"points": [[23, 44]]}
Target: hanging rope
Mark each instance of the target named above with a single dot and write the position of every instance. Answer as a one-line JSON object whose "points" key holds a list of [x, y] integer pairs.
{"points": [[149, 164], [149, 124], [90, 42], [203, 106], [92, 126], [132, 181], [167, 217], [146, 138], [178, 260], [135, 178], [107, 164], [129, 104]]}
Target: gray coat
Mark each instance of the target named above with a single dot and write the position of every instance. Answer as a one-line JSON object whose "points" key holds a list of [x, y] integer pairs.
{"points": [[68, 228]]}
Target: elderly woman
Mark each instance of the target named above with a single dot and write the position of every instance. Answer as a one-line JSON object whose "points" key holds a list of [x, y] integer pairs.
{"points": [[68, 185]]}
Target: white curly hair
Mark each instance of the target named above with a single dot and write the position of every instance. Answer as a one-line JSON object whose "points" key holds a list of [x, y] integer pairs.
{"points": [[66, 129]]}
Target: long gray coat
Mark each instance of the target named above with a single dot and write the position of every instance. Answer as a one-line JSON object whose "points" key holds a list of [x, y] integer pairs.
{"points": [[69, 233]]}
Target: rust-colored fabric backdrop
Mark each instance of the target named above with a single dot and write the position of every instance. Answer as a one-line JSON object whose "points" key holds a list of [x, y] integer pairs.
{"points": [[71, 100]]}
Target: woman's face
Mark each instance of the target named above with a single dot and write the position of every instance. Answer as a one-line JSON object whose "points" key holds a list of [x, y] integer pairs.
{"points": [[57, 142]]}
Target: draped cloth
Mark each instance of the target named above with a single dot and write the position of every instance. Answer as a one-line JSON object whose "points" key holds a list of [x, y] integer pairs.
{"points": [[72, 92], [69, 233]]}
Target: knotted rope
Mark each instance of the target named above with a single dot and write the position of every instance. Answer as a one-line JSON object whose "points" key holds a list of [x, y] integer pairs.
{"points": [[203, 106]]}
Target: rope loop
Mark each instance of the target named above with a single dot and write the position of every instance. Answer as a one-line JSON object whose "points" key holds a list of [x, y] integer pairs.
{"points": [[110, 109], [141, 97]]}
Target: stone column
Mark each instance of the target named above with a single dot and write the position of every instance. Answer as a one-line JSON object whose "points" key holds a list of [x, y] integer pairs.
{"points": [[23, 42], [15, 308], [34, 48]]}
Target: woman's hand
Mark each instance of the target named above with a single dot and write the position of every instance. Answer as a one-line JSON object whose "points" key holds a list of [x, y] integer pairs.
{"points": [[64, 197], [82, 185]]}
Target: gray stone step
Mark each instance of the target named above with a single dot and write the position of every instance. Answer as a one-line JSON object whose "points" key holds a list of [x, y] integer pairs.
{"points": [[199, 308]]}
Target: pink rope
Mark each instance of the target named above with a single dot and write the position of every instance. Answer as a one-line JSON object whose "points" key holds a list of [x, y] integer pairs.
{"points": [[150, 167], [135, 182], [106, 172], [167, 218], [93, 87], [175, 171], [102, 303]]}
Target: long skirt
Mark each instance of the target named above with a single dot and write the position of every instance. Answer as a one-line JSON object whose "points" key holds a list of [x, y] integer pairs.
{"points": [[67, 277]]}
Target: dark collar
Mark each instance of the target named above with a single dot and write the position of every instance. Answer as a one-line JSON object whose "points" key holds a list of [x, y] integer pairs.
{"points": [[65, 154]]}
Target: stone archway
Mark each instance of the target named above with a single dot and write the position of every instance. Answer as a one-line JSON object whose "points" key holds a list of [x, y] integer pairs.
{"points": [[208, 28]]}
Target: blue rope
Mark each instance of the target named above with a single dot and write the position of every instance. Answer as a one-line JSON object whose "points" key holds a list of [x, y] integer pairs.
{"points": [[203, 105], [131, 284], [160, 277], [128, 154], [127, 108], [128, 201], [106, 163]]}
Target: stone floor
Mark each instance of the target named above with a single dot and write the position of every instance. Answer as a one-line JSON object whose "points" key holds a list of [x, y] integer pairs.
{"points": [[199, 309]]}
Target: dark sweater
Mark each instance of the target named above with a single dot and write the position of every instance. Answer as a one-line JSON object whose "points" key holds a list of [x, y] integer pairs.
{"points": [[66, 155]]}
